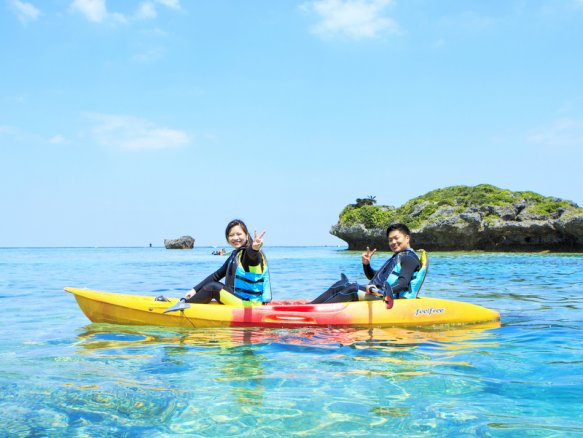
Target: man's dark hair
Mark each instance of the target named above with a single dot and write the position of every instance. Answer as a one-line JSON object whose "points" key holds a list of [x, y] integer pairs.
{"points": [[399, 227]]}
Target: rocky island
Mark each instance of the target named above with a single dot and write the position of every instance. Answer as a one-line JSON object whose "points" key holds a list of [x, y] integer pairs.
{"points": [[184, 242], [465, 218]]}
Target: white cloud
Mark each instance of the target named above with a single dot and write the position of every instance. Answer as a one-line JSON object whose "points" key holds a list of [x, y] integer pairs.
{"points": [[24, 11], [93, 10], [353, 18], [150, 55], [57, 139], [146, 10], [172, 4], [97, 11], [564, 133], [19, 136], [133, 133]]}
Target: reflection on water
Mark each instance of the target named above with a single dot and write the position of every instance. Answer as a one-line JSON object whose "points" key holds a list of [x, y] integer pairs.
{"points": [[245, 373], [109, 336]]}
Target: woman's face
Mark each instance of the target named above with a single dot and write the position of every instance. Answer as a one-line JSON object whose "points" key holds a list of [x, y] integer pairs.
{"points": [[398, 241], [237, 237]]}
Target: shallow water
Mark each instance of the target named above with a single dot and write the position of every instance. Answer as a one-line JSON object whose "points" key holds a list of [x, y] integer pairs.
{"points": [[62, 375]]}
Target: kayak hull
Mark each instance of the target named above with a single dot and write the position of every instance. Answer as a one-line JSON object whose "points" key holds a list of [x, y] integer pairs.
{"points": [[117, 308]]}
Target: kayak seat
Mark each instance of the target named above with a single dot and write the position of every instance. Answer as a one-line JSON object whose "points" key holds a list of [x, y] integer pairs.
{"points": [[419, 277]]}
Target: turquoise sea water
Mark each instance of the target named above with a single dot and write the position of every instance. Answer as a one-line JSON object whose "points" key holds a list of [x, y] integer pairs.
{"points": [[61, 375]]}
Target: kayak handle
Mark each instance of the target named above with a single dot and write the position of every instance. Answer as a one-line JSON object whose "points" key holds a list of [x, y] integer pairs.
{"points": [[290, 319], [388, 299]]}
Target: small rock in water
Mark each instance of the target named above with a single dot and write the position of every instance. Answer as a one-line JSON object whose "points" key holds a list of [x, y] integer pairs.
{"points": [[184, 242]]}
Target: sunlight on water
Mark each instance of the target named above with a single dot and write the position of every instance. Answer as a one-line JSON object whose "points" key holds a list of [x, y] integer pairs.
{"points": [[62, 375]]}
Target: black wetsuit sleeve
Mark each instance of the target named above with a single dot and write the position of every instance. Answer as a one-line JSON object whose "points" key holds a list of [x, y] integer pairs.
{"points": [[250, 258], [368, 271], [409, 264], [215, 276]]}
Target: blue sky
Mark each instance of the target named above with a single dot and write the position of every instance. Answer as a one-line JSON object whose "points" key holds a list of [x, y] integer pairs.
{"points": [[126, 122]]}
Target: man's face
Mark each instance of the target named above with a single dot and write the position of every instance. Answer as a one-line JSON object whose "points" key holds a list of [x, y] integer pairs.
{"points": [[398, 241]]}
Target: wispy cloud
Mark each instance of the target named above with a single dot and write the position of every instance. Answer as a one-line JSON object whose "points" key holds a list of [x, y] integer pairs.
{"points": [[172, 4], [438, 44], [25, 12], [6, 130], [146, 10], [149, 55], [98, 12], [93, 10], [468, 21], [133, 133], [17, 136], [57, 139], [563, 133], [351, 18]]}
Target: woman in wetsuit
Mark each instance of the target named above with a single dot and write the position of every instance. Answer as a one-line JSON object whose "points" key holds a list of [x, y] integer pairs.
{"points": [[245, 272], [392, 280]]}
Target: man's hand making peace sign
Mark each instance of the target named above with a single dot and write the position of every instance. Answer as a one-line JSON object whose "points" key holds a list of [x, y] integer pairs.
{"points": [[367, 255]]}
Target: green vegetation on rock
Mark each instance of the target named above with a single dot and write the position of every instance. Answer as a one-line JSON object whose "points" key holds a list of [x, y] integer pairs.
{"points": [[486, 199], [371, 216]]}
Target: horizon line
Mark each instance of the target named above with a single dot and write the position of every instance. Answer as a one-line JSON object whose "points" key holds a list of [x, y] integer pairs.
{"points": [[162, 247]]}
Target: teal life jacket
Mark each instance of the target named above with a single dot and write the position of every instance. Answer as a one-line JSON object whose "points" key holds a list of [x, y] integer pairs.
{"points": [[252, 285], [417, 278], [393, 269]]}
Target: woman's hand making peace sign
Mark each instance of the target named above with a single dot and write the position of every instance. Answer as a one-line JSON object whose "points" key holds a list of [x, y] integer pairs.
{"points": [[257, 240], [367, 255]]}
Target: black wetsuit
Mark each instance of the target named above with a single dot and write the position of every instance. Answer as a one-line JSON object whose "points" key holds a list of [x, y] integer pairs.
{"points": [[210, 288], [343, 290], [409, 264]]}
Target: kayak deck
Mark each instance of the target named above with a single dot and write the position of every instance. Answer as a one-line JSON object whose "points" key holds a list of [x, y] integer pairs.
{"points": [[118, 308]]}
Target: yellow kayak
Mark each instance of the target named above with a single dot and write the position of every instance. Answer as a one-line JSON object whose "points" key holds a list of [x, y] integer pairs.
{"points": [[145, 310]]}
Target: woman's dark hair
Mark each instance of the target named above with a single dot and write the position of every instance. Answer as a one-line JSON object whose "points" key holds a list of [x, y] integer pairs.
{"points": [[399, 227], [234, 223]]}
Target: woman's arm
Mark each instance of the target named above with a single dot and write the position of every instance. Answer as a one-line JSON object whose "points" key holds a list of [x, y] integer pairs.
{"points": [[250, 257]]}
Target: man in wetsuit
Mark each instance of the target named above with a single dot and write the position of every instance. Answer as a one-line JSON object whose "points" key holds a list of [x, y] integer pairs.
{"points": [[392, 280]]}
